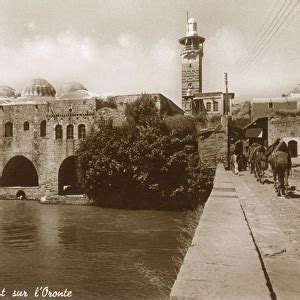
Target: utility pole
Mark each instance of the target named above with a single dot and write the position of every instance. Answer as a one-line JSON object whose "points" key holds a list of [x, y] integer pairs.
{"points": [[226, 91], [227, 111]]}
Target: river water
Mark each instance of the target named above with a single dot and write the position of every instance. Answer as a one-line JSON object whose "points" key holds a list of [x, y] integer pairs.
{"points": [[94, 252]]}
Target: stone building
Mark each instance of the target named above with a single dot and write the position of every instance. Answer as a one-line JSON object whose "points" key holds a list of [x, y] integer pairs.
{"points": [[41, 131], [274, 118], [262, 107], [287, 127]]}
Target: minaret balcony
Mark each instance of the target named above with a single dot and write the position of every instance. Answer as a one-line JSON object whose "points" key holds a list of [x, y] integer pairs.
{"points": [[191, 47]]}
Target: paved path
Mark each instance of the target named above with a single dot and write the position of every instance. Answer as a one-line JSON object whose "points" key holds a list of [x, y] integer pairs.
{"points": [[247, 244], [275, 224], [222, 262]]}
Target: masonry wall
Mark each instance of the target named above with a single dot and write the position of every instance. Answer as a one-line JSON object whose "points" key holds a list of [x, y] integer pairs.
{"points": [[48, 153], [286, 127], [213, 144], [283, 126]]}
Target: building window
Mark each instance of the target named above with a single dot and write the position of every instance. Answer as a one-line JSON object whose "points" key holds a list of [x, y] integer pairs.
{"points": [[8, 129], [43, 129], [58, 132], [293, 147], [70, 132], [216, 106], [26, 126], [208, 106], [81, 131], [271, 105]]}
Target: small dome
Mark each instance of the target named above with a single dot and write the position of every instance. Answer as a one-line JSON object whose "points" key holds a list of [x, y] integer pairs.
{"points": [[70, 87], [39, 87], [7, 92], [79, 94]]}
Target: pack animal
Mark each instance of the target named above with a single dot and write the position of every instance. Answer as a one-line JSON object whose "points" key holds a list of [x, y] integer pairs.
{"points": [[279, 159]]}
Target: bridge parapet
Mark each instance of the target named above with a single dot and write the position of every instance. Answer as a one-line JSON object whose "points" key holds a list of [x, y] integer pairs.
{"points": [[222, 261]]}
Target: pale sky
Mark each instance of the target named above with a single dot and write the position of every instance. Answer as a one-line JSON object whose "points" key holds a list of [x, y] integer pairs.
{"points": [[131, 46]]}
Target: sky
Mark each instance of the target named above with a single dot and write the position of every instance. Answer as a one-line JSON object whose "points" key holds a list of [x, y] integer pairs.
{"points": [[131, 46]]}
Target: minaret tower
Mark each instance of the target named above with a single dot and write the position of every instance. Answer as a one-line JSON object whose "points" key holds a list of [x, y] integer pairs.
{"points": [[192, 53]]}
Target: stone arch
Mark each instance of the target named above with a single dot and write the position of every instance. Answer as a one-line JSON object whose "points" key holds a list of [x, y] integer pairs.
{"points": [[293, 147], [67, 177], [19, 171]]}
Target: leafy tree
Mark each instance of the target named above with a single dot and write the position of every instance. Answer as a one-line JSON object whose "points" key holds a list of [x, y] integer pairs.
{"points": [[142, 111], [147, 164]]}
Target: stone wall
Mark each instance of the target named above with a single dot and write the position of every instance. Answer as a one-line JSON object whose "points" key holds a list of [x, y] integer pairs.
{"points": [[32, 193], [283, 126], [213, 143], [288, 128], [46, 152]]}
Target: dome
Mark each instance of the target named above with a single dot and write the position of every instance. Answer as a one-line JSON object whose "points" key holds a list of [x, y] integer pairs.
{"points": [[79, 94], [7, 92], [39, 87], [70, 87]]}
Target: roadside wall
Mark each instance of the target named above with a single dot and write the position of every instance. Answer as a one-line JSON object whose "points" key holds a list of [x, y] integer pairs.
{"points": [[222, 261], [213, 145]]}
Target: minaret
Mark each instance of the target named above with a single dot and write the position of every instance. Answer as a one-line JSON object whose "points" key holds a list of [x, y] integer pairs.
{"points": [[192, 53]]}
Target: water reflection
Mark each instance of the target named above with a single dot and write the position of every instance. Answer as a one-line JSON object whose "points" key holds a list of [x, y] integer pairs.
{"points": [[89, 250]]}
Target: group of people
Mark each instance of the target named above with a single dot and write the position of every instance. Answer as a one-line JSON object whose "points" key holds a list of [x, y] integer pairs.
{"points": [[258, 157]]}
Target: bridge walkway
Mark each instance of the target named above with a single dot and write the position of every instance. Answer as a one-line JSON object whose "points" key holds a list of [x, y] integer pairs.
{"points": [[246, 245], [275, 223]]}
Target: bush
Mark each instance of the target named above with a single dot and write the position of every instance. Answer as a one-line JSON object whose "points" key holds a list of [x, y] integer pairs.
{"points": [[144, 164], [141, 111]]}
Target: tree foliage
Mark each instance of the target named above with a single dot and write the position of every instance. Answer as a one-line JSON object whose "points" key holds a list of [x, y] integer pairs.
{"points": [[144, 165]]}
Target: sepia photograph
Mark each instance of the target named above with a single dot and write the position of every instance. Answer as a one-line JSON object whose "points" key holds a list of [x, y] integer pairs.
{"points": [[149, 149]]}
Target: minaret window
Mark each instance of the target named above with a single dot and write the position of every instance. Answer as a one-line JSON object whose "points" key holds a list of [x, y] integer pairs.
{"points": [[70, 132]]}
